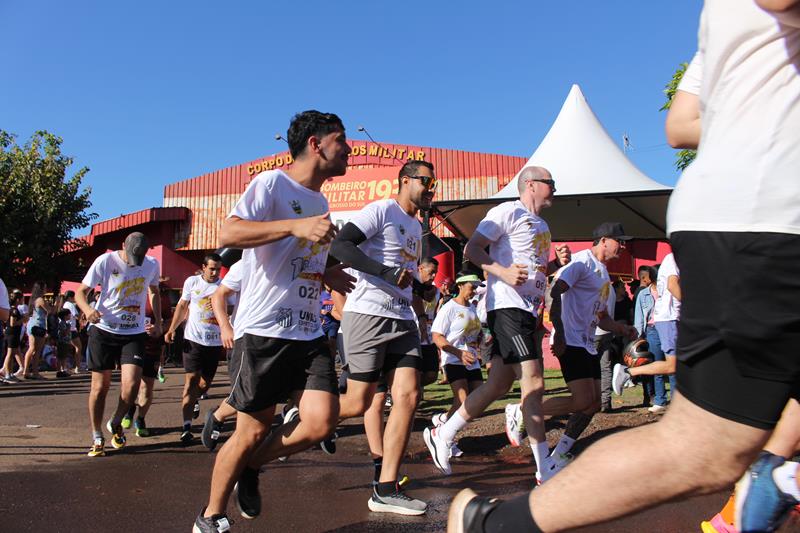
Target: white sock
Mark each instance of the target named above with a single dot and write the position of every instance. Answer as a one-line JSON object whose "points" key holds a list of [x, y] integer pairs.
{"points": [[540, 452], [564, 445], [785, 477], [454, 424]]}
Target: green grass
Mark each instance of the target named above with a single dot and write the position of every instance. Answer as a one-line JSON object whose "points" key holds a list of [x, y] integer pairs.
{"points": [[438, 398]]}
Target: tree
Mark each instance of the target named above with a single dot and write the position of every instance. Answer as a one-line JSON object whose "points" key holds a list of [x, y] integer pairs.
{"points": [[683, 157], [39, 209]]}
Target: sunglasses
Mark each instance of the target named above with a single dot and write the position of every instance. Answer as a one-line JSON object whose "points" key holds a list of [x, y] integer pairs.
{"points": [[551, 183], [429, 182]]}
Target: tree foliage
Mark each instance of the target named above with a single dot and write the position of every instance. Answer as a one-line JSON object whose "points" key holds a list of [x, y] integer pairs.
{"points": [[684, 157], [39, 208]]}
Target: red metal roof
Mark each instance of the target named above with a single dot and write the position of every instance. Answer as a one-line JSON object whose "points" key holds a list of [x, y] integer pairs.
{"points": [[462, 175], [153, 214]]}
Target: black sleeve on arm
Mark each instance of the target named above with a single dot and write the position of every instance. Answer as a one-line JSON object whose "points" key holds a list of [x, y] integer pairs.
{"points": [[345, 249]]}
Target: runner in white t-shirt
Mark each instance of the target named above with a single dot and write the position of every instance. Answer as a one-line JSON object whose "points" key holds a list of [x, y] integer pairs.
{"points": [[224, 298], [580, 296], [457, 332], [666, 312], [517, 263], [383, 242], [282, 223], [127, 278], [202, 346], [737, 363]]}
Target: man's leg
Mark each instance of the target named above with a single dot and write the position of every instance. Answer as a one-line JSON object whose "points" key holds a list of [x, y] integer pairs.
{"points": [[440, 439], [145, 398], [319, 412], [101, 381], [689, 465], [357, 399], [251, 430], [373, 427], [497, 385], [404, 383], [191, 391], [130, 378]]}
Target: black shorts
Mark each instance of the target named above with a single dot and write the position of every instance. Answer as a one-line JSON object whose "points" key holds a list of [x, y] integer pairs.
{"points": [[430, 358], [457, 372], [37, 332], [13, 336], [105, 348], [739, 330], [514, 335], [578, 363], [202, 359], [269, 369]]}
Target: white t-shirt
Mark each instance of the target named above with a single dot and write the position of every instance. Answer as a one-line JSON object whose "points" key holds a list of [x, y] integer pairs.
{"points": [[517, 236], [233, 281], [73, 321], [461, 327], [430, 313], [4, 303], [201, 324], [281, 284], [745, 176], [394, 238], [589, 288], [123, 292], [667, 307]]}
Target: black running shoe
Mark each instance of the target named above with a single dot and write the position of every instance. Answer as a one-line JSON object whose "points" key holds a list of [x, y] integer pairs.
{"points": [[329, 445], [186, 436], [211, 432], [218, 523], [248, 499], [196, 411]]}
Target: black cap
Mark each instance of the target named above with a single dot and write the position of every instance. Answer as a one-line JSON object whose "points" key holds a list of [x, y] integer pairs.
{"points": [[136, 248], [611, 229]]}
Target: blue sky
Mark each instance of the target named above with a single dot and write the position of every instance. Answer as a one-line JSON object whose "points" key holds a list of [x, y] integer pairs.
{"points": [[149, 93]]}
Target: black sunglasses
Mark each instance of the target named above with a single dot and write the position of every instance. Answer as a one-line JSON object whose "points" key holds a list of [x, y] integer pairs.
{"points": [[429, 182], [551, 183]]}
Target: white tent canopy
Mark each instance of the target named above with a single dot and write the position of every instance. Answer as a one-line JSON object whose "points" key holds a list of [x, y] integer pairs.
{"points": [[595, 182]]}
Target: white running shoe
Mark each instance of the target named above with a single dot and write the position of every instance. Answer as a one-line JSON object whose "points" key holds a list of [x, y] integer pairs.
{"points": [[440, 450], [620, 378], [657, 409], [439, 419], [514, 424]]}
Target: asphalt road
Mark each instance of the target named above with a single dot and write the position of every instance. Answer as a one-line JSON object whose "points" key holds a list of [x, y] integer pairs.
{"points": [[158, 484]]}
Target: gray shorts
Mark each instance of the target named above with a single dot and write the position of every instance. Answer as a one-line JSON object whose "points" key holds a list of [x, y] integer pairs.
{"points": [[376, 344]]}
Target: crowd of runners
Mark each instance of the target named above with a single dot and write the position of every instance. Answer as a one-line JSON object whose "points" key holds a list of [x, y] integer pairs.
{"points": [[320, 324]]}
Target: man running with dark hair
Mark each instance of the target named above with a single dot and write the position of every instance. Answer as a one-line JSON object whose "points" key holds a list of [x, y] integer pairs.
{"points": [[282, 223], [202, 343]]}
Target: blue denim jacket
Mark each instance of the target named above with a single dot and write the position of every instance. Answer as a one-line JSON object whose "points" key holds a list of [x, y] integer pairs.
{"points": [[642, 309]]}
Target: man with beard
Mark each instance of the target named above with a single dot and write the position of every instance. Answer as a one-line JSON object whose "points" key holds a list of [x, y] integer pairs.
{"points": [[381, 336]]}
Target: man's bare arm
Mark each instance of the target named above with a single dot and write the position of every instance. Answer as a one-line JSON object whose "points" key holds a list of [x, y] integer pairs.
{"points": [[674, 287], [683, 120], [240, 233], [475, 251]]}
